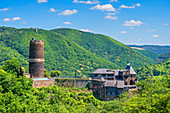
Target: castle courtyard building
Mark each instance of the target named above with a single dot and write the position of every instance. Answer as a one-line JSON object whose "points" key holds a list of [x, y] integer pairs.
{"points": [[109, 84]]}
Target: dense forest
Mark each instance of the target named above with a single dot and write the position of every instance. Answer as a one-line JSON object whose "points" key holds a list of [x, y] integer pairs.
{"points": [[149, 54], [154, 70], [105, 47], [165, 56], [18, 95], [70, 51]]}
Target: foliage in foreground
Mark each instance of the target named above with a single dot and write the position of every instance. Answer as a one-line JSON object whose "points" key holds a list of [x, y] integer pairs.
{"points": [[18, 95]]}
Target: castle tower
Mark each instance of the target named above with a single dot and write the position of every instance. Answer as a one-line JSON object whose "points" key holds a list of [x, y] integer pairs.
{"points": [[36, 58]]}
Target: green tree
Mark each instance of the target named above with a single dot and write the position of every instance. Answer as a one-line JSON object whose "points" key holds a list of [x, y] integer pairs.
{"points": [[55, 73], [46, 74], [12, 66]]}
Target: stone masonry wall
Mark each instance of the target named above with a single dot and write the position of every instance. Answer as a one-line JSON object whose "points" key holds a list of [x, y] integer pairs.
{"points": [[43, 83], [71, 82]]}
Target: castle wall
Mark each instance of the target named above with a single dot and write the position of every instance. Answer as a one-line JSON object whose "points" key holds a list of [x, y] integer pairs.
{"points": [[71, 82], [43, 83], [81, 83]]}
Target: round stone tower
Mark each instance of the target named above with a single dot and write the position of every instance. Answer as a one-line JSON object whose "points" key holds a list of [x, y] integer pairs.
{"points": [[36, 58]]}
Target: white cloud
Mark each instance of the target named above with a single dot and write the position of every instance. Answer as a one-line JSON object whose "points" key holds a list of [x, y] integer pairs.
{"points": [[111, 13], [16, 18], [131, 28], [155, 36], [114, 1], [111, 17], [132, 23], [67, 23], [139, 39], [153, 30], [68, 12], [5, 9], [6, 19], [41, 1], [86, 30], [123, 32], [130, 7], [52, 10], [87, 2], [106, 7], [59, 26], [24, 22], [165, 24], [138, 4], [12, 19]]}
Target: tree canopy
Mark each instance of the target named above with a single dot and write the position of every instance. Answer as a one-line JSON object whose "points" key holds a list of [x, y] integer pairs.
{"points": [[18, 95]]}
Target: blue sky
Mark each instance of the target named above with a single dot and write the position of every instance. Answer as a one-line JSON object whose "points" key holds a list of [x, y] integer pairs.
{"points": [[128, 21]]}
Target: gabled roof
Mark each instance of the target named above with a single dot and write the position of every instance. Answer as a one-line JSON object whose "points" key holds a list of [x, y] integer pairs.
{"points": [[117, 71], [132, 71], [102, 71]]}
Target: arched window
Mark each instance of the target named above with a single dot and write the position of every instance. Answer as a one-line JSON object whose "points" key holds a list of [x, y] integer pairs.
{"points": [[126, 83], [131, 82]]}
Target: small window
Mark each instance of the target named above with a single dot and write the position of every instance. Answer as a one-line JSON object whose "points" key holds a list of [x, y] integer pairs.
{"points": [[103, 75], [108, 98]]}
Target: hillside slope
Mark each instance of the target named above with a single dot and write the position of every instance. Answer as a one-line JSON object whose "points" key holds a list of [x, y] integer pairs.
{"points": [[106, 47], [60, 53], [164, 56], [148, 54], [162, 68], [71, 51]]}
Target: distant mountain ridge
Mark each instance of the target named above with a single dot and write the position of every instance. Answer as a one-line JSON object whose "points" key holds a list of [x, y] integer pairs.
{"points": [[71, 51], [154, 48], [147, 53]]}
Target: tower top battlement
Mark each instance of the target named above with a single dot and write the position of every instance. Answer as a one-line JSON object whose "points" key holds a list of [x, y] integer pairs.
{"points": [[36, 41]]}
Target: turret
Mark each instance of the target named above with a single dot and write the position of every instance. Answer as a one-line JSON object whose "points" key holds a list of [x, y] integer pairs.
{"points": [[36, 58]]}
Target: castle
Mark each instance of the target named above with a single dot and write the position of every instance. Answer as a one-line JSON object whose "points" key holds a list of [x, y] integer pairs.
{"points": [[106, 84], [36, 65], [109, 84]]}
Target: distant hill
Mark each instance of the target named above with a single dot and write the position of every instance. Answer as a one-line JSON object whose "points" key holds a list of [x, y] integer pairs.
{"points": [[105, 47], [154, 48], [164, 56], [148, 53], [71, 51]]}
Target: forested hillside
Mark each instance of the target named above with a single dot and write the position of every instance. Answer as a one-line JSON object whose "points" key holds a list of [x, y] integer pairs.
{"points": [[105, 47], [154, 70], [70, 51], [149, 54], [17, 95], [60, 53], [165, 56]]}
